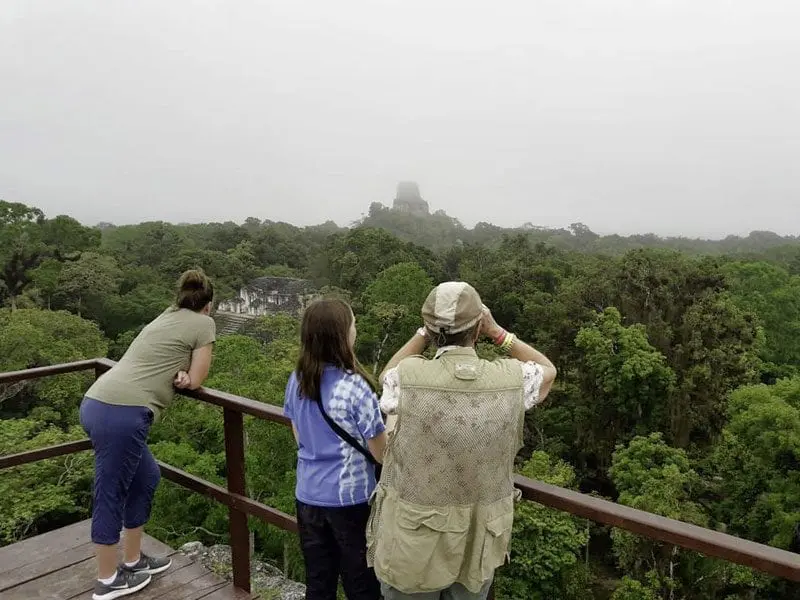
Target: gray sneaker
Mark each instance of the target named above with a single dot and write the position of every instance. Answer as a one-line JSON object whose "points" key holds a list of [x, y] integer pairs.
{"points": [[126, 583], [150, 565]]}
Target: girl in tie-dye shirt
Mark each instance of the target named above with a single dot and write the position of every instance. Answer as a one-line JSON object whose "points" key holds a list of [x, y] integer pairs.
{"points": [[334, 479]]}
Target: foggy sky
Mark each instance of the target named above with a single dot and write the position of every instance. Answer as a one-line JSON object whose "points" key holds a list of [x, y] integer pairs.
{"points": [[665, 116]]}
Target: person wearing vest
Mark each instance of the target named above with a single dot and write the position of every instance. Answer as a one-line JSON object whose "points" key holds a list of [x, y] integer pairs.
{"points": [[443, 510]]}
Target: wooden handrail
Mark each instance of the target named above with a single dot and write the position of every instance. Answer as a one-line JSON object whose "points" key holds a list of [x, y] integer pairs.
{"points": [[773, 561], [39, 372], [273, 516], [692, 537], [182, 478], [22, 458], [239, 404]]}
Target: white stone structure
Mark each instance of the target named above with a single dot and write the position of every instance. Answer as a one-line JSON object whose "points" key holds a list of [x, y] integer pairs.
{"points": [[270, 295]]}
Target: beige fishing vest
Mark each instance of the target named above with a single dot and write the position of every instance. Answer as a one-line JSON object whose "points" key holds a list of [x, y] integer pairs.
{"points": [[444, 508]]}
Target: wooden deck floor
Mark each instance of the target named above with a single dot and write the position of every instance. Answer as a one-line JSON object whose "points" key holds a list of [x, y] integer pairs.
{"points": [[59, 565]]}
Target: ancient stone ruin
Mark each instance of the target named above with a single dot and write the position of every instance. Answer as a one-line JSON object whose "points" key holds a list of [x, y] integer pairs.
{"points": [[263, 296], [408, 199], [266, 580]]}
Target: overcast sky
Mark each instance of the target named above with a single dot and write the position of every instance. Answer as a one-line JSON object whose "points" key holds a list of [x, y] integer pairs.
{"points": [[665, 116]]}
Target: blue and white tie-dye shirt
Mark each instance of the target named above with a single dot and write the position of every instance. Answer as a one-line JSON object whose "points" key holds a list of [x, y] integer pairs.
{"points": [[330, 472]]}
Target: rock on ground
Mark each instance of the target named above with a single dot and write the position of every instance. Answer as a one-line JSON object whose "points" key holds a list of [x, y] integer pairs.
{"points": [[265, 579]]}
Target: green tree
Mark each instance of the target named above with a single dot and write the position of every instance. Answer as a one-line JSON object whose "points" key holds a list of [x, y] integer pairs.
{"points": [[283, 244], [436, 231], [33, 338], [542, 294], [243, 256], [226, 272], [41, 496], [354, 259], [133, 310], [391, 311], [87, 282], [180, 515], [716, 351], [21, 245], [46, 278], [625, 385], [774, 295], [659, 479], [546, 543], [654, 477], [146, 244], [757, 463], [631, 589], [120, 345], [711, 344], [278, 327], [27, 238], [66, 237]]}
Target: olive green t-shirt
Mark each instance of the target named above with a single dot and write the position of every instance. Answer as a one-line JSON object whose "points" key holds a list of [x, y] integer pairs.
{"points": [[144, 375]]}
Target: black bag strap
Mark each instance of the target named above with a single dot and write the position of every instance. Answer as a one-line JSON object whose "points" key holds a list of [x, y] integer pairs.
{"points": [[346, 436]]}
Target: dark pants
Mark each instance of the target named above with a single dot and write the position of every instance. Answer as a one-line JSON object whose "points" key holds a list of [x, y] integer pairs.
{"points": [[334, 543], [125, 473]]}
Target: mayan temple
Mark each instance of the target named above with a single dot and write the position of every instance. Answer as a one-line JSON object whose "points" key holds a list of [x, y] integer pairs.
{"points": [[409, 200]]}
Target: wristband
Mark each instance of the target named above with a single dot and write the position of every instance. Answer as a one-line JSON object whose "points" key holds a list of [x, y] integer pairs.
{"points": [[423, 332], [508, 342], [498, 341]]}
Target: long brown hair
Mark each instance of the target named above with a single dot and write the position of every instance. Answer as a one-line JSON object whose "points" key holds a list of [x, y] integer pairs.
{"points": [[324, 339]]}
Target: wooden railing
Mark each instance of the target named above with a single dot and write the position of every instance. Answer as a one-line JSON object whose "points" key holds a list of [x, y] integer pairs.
{"points": [[764, 558], [239, 505]]}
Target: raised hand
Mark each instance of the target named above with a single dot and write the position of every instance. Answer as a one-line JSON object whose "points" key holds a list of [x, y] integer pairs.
{"points": [[489, 326]]}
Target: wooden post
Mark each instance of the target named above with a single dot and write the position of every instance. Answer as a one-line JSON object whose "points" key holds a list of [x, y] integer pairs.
{"points": [[237, 519]]}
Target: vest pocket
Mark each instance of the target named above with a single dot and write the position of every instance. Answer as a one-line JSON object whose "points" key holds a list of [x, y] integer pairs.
{"points": [[375, 502], [495, 543], [429, 544]]}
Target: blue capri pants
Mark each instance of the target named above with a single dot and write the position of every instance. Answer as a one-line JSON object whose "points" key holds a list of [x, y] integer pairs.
{"points": [[125, 474]]}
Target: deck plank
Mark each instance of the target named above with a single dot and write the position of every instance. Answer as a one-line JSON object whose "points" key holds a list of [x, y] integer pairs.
{"points": [[45, 565], [182, 584], [153, 547], [60, 564], [71, 582], [228, 593], [64, 583], [41, 546], [199, 588]]}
